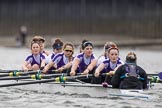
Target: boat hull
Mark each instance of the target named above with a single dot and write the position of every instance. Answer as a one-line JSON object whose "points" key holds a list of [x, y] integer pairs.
{"points": [[91, 90]]}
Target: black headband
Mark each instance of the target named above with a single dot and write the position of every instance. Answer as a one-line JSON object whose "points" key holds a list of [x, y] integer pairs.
{"points": [[87, 44]]}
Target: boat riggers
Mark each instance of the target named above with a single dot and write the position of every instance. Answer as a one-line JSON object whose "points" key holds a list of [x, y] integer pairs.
{"points": [[57, 79], [155, 79]]}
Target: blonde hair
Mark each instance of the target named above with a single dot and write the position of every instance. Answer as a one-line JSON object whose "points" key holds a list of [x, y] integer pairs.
{"points": [[109, 45]]}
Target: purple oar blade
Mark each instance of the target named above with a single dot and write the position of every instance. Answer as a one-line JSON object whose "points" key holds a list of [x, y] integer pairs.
{"points": [[160, 75]]}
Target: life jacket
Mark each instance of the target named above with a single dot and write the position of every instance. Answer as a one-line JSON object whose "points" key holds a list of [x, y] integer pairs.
{"points": [[131, 71]]}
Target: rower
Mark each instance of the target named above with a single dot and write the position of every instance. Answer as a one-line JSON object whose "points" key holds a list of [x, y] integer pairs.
{"points": [[62, 61], [130, 75], [41, 40], [36, 60], [57, 48], [104, 56], [108, 65], [84, 62]]}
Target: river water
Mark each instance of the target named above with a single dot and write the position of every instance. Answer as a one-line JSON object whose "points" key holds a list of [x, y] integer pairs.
{"points": [[12, 58]]}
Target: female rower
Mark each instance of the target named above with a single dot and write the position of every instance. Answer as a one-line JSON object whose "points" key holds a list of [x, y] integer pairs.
{"points": [[41, 40], [109, 65], [62, 61], [57, 48], [36, 60], [130, 75], [84, 62], [104, 56]]}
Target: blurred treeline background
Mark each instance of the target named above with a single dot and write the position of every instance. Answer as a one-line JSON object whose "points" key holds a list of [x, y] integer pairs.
{"points": [[135, 18]]}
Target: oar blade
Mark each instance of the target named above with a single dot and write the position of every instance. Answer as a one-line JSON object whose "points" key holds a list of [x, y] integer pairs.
{"points": [[160, 75]]}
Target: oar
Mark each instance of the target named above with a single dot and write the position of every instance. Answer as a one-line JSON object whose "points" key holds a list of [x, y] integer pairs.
{"points": [[58, 79], [17, 73], [158, 74], [153, 75], [155, 78], [85, 85], [8, 71], [37, 76]]}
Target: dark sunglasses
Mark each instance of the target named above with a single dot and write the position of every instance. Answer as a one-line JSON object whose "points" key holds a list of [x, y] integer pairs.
{"points": [[68, 50], [58, 49]]}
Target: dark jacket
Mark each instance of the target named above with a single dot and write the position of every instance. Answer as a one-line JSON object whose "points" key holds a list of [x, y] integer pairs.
{"points": [[131, 82]]}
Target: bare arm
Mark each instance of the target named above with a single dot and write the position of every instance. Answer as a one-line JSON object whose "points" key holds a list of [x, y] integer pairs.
{"points": [[24, 66], [99, 69], [90, 67], [43, 63], [48, 66], [111, 73], [74, 66], [66, 66]]}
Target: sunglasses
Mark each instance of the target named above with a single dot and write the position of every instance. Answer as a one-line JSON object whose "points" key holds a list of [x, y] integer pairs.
{"points": [[58, 49], [68, 50]]}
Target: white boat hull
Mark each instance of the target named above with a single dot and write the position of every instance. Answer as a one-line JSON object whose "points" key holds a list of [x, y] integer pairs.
{"points": [[92, 90]]}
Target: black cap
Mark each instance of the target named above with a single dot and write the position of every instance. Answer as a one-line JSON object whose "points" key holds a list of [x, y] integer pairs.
{"points": [[57, 46], [131, 57]]}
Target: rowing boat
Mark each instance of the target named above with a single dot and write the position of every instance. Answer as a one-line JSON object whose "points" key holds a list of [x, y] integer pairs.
{"points": [[78, 88], [69, 87]]}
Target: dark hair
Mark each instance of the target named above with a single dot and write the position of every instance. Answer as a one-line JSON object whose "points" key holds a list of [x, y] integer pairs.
{"points": [[57, 44], [83, 41]]}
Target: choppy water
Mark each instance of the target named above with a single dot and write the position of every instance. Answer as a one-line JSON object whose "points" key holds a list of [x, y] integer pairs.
{"points": [[10, 97]]}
